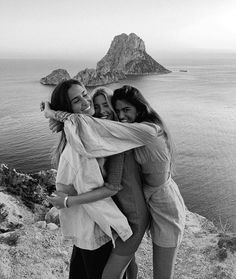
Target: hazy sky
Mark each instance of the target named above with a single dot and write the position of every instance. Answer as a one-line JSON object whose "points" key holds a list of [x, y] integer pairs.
{"points": [[85, 29]]}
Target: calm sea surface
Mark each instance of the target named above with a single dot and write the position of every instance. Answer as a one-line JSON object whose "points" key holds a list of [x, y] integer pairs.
{"points": [[199, 107]]}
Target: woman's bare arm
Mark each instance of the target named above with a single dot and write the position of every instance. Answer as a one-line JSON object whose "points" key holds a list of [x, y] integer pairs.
{"points": [[94, 195], [58, 197]]}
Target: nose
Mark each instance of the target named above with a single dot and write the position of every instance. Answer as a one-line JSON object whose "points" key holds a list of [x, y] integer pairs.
{"points": [[85, 102], [121, 115], [102, 110]]}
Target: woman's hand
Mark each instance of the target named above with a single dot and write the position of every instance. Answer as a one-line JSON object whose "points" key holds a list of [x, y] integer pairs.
{"points": [[42, 106], [48, 112], [57, 199], [55, 126]]}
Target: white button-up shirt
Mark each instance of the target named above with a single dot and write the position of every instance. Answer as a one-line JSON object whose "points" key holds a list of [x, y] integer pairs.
{"points": [[89, 225]]}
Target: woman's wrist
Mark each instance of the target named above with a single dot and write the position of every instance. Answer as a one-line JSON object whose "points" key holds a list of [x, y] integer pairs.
{"points": [[68, 201], [66, 204], [48, 112], [52, 114]]}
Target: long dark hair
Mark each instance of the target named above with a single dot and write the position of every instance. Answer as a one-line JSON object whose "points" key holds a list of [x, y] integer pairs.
{"points": [[145, 113], [60, 101]]}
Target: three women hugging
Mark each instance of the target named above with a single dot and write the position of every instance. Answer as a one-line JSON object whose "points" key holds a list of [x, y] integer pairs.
{"points": [[114, 162]]}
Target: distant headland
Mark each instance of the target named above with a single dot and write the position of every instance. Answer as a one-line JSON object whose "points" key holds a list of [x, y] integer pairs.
{"points": [[126, 56]]}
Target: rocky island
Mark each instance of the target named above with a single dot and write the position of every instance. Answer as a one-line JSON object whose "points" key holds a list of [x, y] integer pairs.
{"points": [[126, 56], [55, 77], [32, 247]]}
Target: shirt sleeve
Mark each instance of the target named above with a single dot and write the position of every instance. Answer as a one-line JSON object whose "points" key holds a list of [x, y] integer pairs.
{"points": [[93, 137]]}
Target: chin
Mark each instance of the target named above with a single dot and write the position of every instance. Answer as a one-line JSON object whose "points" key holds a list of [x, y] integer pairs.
{"points": [[110, 117]]}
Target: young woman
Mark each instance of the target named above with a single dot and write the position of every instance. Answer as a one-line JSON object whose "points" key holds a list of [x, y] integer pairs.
{"points": [[87, 224], [141, 128], [162, 194], [130, 199]]}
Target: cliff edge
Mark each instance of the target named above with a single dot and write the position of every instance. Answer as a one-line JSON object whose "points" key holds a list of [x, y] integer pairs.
{"points": [[31, 245]]}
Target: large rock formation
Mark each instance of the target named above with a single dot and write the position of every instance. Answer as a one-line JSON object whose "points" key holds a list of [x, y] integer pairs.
{"points": [[126, 56], [31, 245], [55, 77]]}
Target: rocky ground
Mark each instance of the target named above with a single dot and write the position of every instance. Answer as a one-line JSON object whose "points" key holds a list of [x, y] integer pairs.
{"points": [[31, 245]]}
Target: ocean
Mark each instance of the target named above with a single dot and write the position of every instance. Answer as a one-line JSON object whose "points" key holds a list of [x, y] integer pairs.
{"points": [[197, 101]]}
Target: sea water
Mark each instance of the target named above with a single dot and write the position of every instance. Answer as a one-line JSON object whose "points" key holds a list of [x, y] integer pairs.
{"points": [[197, 104]]}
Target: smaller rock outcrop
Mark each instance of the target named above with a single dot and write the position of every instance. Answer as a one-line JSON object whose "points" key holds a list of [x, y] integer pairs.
{"points": [[55, 77]]}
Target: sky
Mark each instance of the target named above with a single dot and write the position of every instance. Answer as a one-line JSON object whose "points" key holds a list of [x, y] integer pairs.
{"points": [[85, 29]]}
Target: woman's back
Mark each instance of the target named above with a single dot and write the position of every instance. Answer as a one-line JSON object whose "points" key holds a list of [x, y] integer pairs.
{"points": [[154, 159]]}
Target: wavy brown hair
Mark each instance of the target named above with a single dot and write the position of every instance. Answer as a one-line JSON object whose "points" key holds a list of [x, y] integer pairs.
{"points": [[145, 112]]}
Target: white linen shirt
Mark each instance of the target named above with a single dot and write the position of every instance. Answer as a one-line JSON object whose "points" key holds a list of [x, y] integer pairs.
{"points": [[89, 225]]}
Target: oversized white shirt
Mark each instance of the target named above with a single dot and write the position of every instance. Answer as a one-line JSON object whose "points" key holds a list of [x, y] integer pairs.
{"points": [[89, 225]]}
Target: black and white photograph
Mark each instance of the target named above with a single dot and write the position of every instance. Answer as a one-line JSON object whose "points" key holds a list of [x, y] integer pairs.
{"points": [[117, 139]]}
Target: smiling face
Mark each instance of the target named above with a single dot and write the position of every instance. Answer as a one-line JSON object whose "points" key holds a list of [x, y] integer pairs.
{"points": [[102, 108], [80, 100], [125, 111]]}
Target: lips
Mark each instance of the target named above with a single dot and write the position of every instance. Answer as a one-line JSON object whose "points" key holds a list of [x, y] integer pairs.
{"points": [[86, 109]]}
